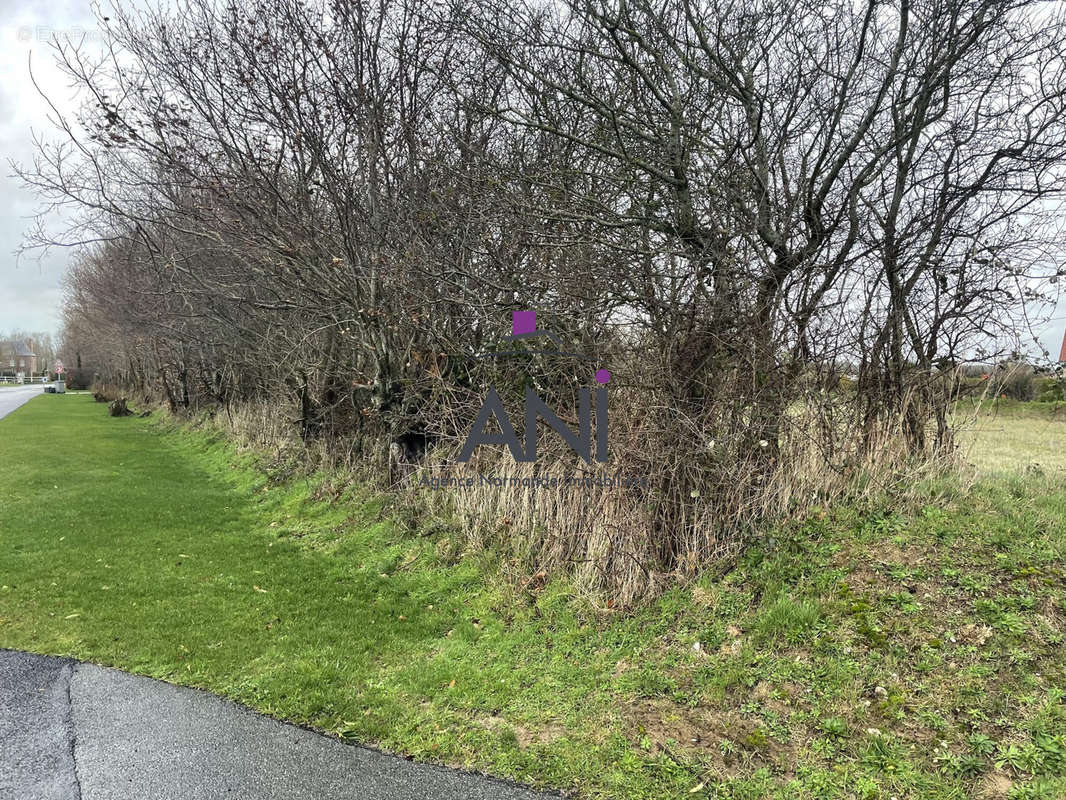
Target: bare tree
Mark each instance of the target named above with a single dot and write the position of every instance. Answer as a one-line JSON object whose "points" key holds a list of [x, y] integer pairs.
{"points": [[336, 205]]}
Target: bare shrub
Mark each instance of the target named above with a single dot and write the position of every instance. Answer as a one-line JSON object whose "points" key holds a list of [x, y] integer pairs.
{"points": [[310, 228], [707, 492], [1013, 380]]}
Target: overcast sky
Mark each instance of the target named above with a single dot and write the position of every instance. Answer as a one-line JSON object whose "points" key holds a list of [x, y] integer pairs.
{"points": [[30, 290]]}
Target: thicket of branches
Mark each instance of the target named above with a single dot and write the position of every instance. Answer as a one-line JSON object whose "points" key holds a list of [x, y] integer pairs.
{"points": [[330, 208]]}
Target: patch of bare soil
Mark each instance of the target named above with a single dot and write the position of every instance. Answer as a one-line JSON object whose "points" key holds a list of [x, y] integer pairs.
{"points": [[996, 786], [664, 726], [544, 734]]}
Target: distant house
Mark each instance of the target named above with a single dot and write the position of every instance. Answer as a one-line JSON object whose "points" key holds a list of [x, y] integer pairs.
{"points": [[17, 357]]}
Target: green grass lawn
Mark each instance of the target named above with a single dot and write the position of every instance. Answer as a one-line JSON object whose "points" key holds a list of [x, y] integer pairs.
{"points": [[1006, 437], [856, 655]]}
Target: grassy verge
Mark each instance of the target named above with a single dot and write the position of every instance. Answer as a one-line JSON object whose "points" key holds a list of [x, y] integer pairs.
{"points": [[856, 655]]}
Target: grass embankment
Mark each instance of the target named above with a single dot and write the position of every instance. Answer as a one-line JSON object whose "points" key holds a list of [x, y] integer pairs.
{"points": [[856, 655]]}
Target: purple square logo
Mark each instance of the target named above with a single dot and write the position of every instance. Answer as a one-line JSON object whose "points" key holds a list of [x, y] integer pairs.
{"points": [[523, 322]]}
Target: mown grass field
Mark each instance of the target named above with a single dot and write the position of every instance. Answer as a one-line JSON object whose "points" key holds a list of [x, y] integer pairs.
{"points": [[861, 654], [1006, 437]]}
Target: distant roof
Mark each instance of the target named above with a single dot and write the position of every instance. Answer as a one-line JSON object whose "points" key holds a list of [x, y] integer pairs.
{"points": [[18, 346]]}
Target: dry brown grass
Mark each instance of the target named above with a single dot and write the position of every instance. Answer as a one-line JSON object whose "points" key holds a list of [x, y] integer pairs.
{"points": [[705, 497]]}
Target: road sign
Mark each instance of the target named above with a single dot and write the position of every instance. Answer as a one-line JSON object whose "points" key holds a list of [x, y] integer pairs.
{"points": [[58, 367]]}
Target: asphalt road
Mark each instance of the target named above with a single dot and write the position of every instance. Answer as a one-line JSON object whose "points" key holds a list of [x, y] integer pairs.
{"points": [[14, 396], [74, 731]]}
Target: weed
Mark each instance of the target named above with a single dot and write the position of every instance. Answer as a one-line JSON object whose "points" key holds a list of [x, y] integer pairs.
{"points": [[787, 619]]}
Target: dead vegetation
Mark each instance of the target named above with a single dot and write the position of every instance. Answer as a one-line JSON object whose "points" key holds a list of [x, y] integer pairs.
{"points": [[313, 229]]}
